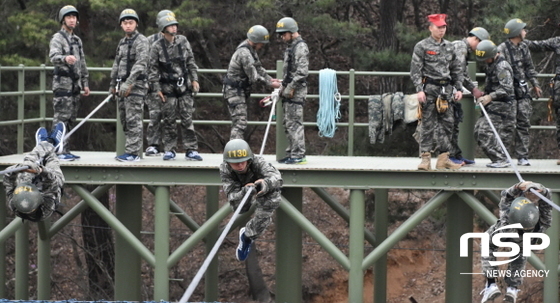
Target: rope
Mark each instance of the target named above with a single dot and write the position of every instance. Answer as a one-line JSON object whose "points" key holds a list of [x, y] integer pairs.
{"points": [[274, 96], [329, 103], [13, 170]]}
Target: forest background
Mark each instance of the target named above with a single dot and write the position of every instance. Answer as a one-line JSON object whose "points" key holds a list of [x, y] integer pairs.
{"points": [[362, 35]]}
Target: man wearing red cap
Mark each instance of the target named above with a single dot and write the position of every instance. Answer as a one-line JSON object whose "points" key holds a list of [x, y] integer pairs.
{"points": [[436, 71]]}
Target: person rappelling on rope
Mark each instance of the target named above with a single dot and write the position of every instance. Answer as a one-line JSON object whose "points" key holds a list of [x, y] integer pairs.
{"points": [[242, 172], [34, 187]]}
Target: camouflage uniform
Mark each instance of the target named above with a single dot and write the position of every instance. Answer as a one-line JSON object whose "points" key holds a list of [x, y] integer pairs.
{"points": [[545, 220], [172, 70], [244, 69], [523, 70], [50, 181], [436, 70], [234, 187], [68, 79], [153, 102], [296, 69], [130, 67], [499, 85]]}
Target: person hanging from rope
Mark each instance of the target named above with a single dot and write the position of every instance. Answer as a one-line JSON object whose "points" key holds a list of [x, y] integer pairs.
{"points": [[517, 205], [498, 101], [34, 193], [240, 172]]}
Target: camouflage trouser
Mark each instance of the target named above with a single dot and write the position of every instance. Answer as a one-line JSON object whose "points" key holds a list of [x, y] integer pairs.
{"points": [[436, 129], [293, 127], [237, 107], [131, 112], [501, 115], [263, 214], [524, 110], [66, 111], [184, 106], [518, 264], [556, 108], [153, 131], [455, 150]]}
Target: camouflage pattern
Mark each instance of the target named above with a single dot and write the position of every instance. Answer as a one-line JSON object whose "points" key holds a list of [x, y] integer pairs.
{"points": [[293, 107], [523, 70], [131, 109], [462, 52], [375, 114], [233, 184], [545, 220], [179, 100], [397, 107], [244, 69], [50, 181], [68, 79], [153, 102]]}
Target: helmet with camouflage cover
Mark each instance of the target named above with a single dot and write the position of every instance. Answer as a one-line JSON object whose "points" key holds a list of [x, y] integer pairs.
{"points": [[286, 24], [258, 34], [66, 10], [513, 28], [480, 33], [486, 49], [129, 13], [26, 198], [237, 150], [162, 14], [166, 21], [523, 211]]}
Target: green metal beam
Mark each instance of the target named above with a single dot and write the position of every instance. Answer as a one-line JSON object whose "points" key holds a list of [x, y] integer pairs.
{"points": [[381, 223], [178, 212], [10, 230], [211, 289], [356, 243], [44, 268], [22, 262], [161, 244]]}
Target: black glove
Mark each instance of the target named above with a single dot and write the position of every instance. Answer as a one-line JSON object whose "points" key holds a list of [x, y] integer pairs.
{"points": [[262, 187], [34, 167]]}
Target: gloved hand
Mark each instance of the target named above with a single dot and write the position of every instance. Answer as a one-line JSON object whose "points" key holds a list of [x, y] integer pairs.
{"points": [[34, 167], [287, 93], [112, 90], [526, 186], [538, 91], [477, 93], [125, 89], [484, 100], [195, 86], [262, 187]]}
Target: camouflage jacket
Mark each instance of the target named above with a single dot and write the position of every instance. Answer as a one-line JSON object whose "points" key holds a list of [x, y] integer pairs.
{"points": [[548, 45], [522, 65], [462, 51], [234, 182], [166, 71], [68, 77], [153, 38], [296, 59], [545, 209], [131, 60], [499, 80], [437, 61], [245, 68]]}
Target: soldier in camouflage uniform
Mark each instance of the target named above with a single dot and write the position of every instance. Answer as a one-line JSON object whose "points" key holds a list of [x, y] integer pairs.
{"points": [[244, 69], [130, 81], [533, 219], [463, 48], [70, 72], [153, 102], [33, 194], [294, 89], [517, 53], [435, 70], [242, 172], [173, 76], [498, 102]]}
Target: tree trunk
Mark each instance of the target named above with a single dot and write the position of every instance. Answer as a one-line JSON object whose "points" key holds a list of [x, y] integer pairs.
{"points": [[257, 286], [387, 38]]}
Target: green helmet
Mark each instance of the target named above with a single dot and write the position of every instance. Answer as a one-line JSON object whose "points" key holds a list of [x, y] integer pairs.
{"points": [[166, 21], [486, 49], [26, 198], [164, 13], [286, 24], [129, 13], [237, 150], [68, 9], [523, 211], [513, 28], [480, 33], [258, 34]]}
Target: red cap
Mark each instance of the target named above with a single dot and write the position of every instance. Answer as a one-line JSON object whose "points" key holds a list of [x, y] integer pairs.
{"points": [[437, 19]]}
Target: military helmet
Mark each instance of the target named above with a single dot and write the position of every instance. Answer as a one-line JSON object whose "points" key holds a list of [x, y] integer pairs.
{"points": [[129, 13], [166, 21], [68, 9], [258, 34], [26, 198], [164, 13], [480, 33], [486, 49], [237, 150], [523, 211], [513, 28], [286, 24]]}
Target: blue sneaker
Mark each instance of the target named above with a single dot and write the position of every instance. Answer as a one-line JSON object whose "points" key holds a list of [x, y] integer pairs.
{"points": [[244, 247], [128, 158], [66, 157], [193, 156], [76, 157], [41, 135], [301, 160], [283, 160], [169, 155], [57, 136], [457, 160], [467, 161]]}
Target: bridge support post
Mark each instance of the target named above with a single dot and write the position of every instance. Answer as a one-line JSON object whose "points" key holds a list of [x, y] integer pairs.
{"points": [[211, 290], [44, 261], [356, 255], [161, 244], [22, 262], [381, 222]]}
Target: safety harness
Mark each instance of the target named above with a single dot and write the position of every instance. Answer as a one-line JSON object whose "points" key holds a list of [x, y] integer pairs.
{"points": [[58, 72], [289, 77], [522, 84], [129, 60], [240, 85], [168, 67]]}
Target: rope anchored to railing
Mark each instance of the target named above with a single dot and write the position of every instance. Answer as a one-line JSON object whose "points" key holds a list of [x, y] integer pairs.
{"points": [[329, 103]]}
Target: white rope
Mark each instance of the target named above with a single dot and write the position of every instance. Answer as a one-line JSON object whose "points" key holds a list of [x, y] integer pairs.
{"points": [[13, 170], [329, 103], [274, 97]]}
